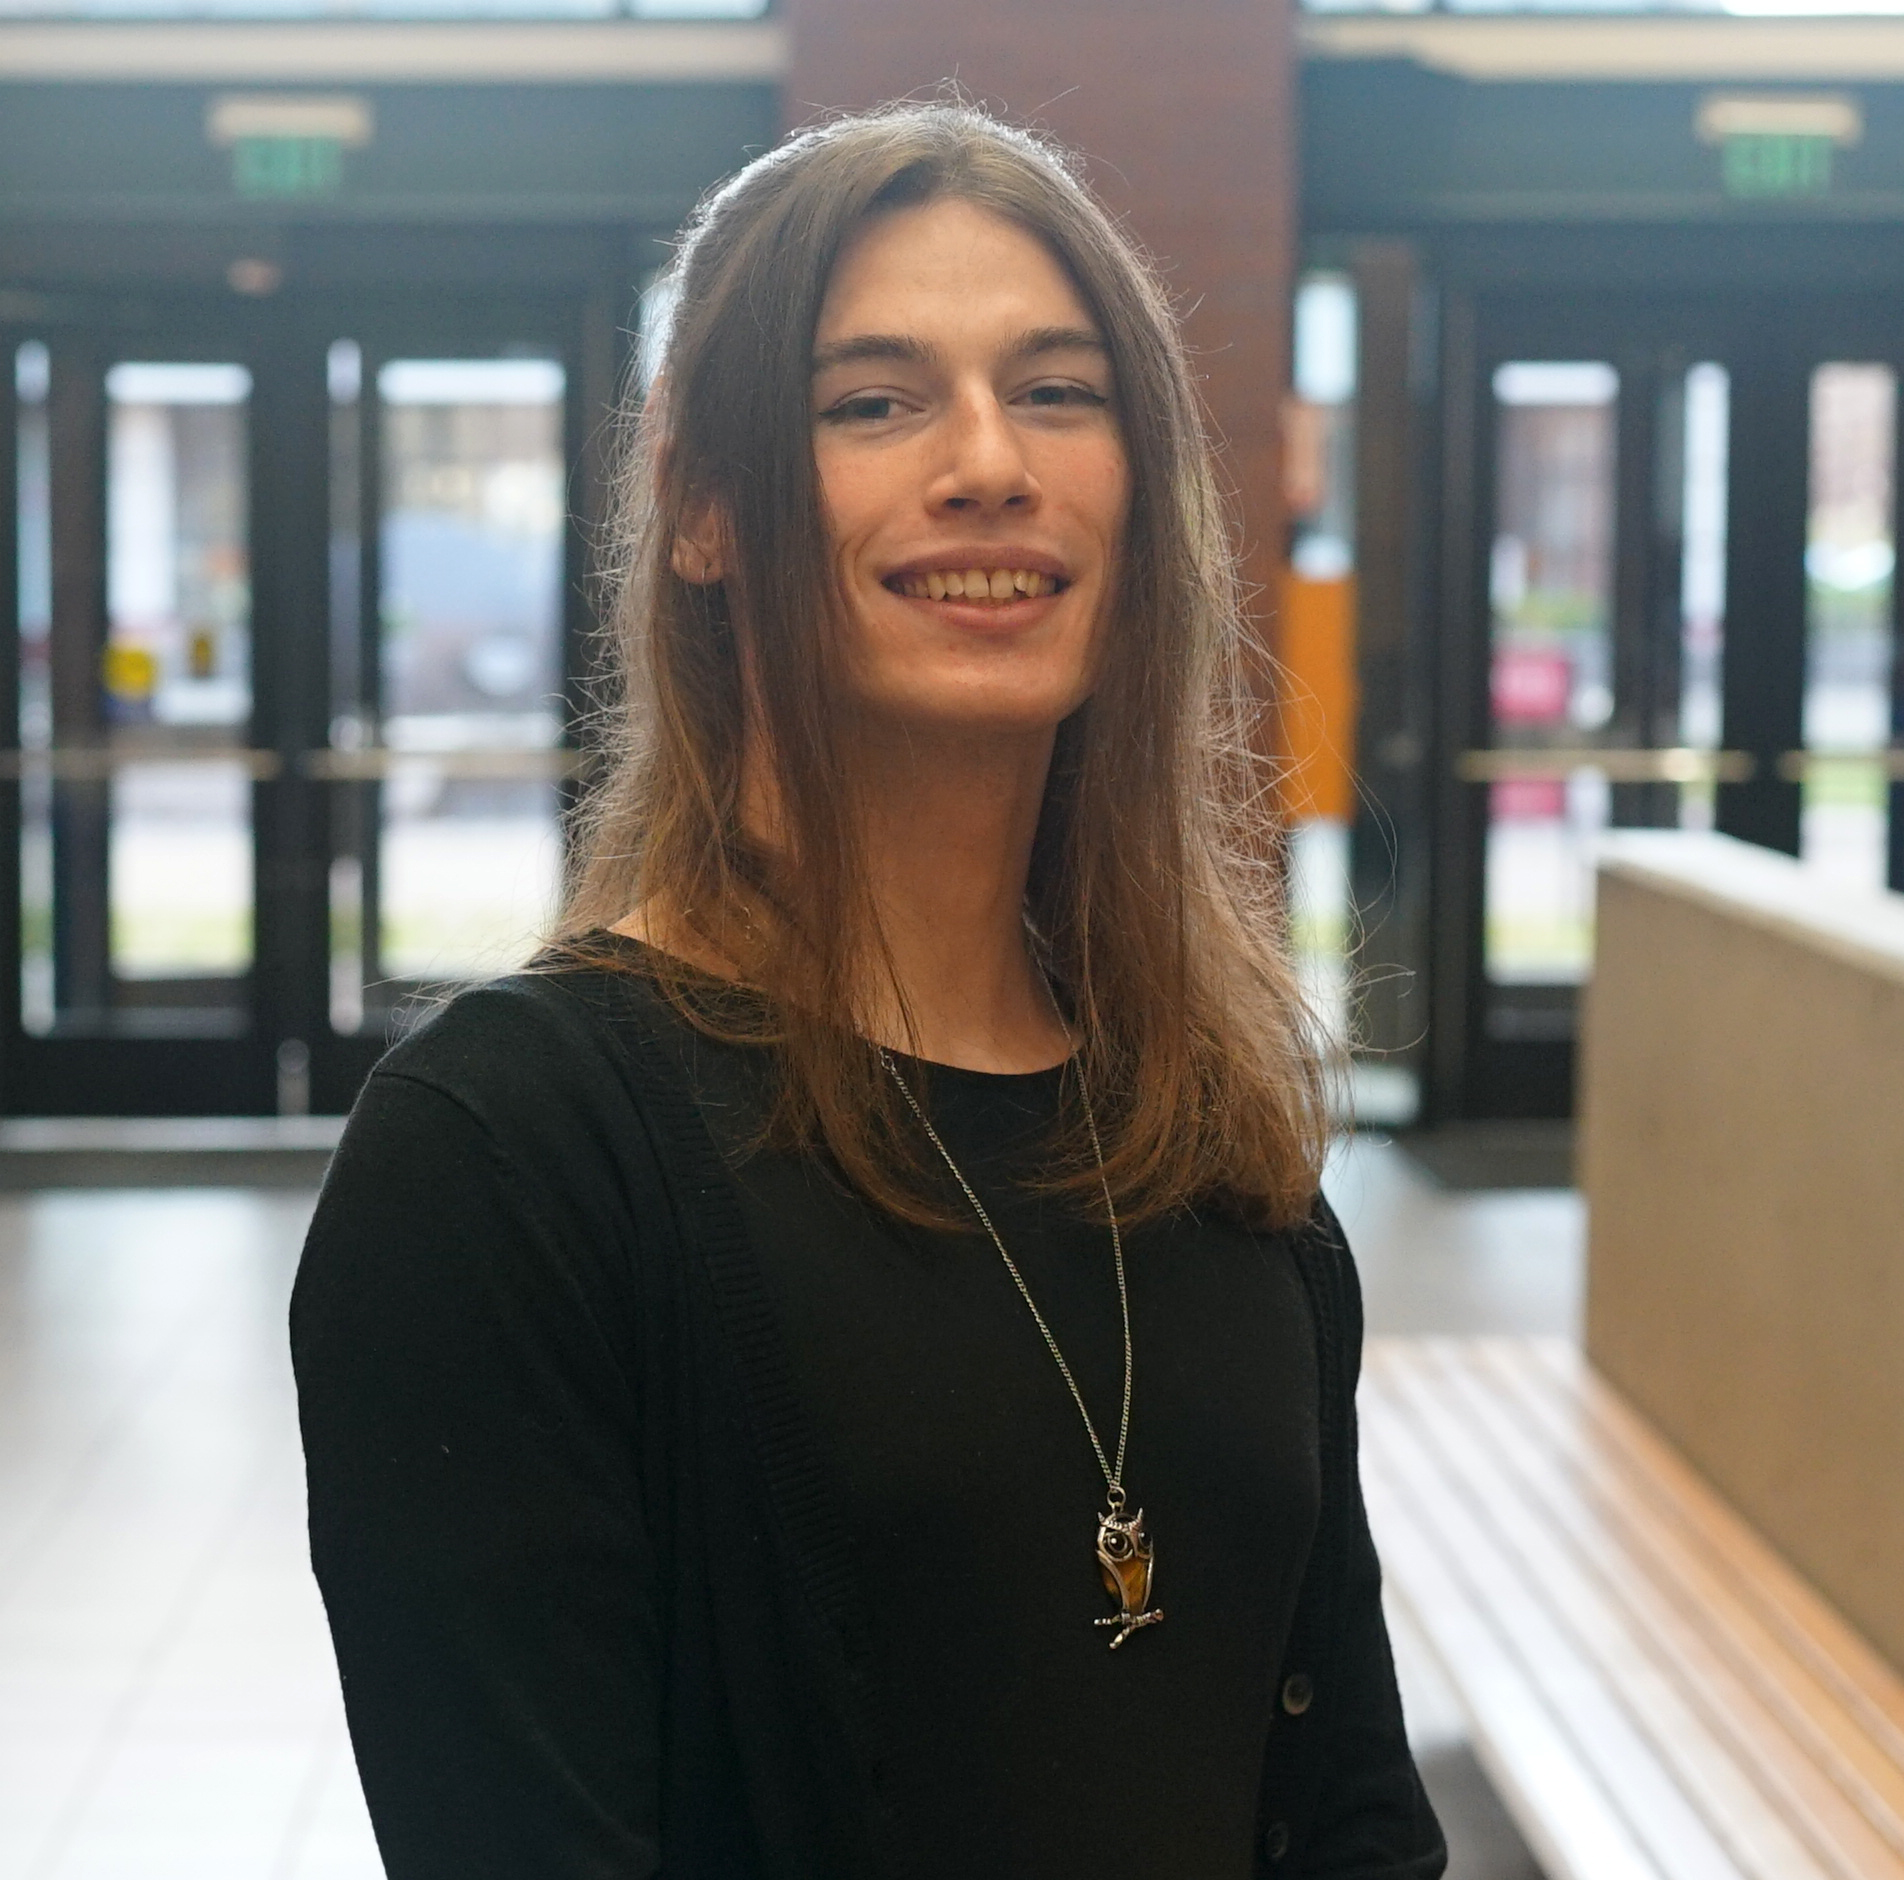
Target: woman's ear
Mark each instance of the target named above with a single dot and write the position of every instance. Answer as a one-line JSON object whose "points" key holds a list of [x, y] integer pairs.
{"points": [[700, 549]]}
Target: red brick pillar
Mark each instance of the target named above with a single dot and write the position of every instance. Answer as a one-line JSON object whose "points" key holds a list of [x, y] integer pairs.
{"points": [[1185, 109]]}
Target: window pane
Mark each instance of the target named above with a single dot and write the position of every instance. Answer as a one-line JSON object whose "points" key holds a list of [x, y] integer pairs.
{"points": [[136, 828], [1702, 576], [1319, 444], [471, 541], [352, 804], [177, 668], [32, 373], [1315, 635], [180, 866], [1550, 667], [1850, 558]]}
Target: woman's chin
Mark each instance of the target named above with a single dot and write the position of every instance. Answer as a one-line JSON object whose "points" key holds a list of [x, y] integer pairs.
{"points": [[965, 717]]}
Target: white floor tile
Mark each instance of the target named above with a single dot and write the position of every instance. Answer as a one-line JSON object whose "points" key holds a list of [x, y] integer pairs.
{"points": [[337, 1842]]}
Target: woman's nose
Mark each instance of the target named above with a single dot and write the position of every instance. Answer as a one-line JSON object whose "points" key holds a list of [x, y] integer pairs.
{"points": [[985, 465]]}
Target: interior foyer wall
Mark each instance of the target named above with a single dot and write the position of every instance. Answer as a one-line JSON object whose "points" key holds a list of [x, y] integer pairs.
{"points": [[1742, 1152], [1186, 113]]}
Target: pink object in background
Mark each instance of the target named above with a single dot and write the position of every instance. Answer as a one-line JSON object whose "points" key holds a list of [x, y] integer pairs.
{"points": [[1530, 687], [1527, 799]]}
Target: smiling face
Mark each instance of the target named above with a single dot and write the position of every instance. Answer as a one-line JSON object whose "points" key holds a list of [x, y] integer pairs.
{"points": [[974, 482]]}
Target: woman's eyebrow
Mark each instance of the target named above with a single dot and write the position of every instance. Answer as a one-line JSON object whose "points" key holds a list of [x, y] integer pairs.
{"points": [[896, 346], [904, 349], [1047, 339]]}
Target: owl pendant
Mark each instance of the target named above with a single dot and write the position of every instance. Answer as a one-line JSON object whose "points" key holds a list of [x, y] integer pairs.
{"points": [[1124, 1557]]}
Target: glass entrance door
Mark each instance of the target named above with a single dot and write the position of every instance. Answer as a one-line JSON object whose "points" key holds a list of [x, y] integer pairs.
{"points": [[447, 733], [1550, 672], [1850, 609], [135, 754], [294, 603], [1677, 609]]}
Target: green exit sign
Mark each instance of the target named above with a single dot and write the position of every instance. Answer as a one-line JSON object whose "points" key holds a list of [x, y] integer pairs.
{"points": [[288, 144], [1772, 164], [1779, 144], [263, 167]]}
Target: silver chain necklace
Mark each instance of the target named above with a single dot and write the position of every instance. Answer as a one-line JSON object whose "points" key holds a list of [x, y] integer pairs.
{"points": [[1125, 1556]]}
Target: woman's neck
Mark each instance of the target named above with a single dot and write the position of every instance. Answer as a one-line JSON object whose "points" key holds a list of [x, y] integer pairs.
{"points": [[946, 838], [948, 835]]}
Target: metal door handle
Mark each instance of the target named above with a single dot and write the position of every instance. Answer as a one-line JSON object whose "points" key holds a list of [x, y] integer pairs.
{"points": [[99, 763], [1796, 766], [1678, 763], [377, 763]]}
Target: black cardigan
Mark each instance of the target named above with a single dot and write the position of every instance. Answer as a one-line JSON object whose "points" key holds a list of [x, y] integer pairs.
{"points": [[553, 1108]]}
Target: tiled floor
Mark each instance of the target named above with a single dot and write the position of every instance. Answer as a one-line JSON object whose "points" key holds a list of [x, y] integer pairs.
{"points": [[1431, 1261], [168, 1707], [1434, 1261]]}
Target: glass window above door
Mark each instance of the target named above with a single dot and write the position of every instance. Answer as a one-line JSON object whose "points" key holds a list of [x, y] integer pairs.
{"points": [[177, 566]]}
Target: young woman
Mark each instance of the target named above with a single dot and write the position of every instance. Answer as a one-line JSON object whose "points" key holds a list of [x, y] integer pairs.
{"points": [[842, 1369]]}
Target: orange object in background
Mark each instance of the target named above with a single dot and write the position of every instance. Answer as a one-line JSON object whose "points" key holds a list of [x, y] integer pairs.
{"points": [[1314, 641]]}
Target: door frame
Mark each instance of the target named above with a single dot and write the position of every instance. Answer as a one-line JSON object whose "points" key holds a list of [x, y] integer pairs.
{"points": [[578, 331], [123, 1075], [284, 340], [1769, 342]]}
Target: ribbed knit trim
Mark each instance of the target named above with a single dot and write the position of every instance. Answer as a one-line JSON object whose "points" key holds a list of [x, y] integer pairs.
{"points": [[1291, 1769], [797, 1489]]}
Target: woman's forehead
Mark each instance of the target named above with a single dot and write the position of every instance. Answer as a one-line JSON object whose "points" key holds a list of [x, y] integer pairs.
{"points": [[948, 264]]}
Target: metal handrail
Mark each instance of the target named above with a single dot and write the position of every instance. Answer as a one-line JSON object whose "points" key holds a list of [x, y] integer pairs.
{"points": [[1678, 763], [375, 763], [1796, 766], [99, 763]]}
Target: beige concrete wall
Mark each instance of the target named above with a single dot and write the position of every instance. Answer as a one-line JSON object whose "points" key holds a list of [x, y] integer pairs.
{"points": [[1742, 1152]]}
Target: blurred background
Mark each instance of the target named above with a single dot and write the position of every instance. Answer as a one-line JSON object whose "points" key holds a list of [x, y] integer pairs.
{"points": [[1554, 352]]}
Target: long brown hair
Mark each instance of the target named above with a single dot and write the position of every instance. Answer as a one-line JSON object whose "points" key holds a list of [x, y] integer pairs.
{"points": [[1153, 904]]}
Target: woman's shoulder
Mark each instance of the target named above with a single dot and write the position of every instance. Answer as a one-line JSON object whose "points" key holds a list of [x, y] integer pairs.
{"points": [[544, 1099], [499, 1195], [538, 1048], [1321, 1251]]}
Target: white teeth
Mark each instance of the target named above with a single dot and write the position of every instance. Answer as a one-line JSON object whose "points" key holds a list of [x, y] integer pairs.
{"points": [[1000, 584]]}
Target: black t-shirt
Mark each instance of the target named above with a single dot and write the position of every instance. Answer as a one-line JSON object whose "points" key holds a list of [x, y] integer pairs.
{"points": [[1016, 1741]]}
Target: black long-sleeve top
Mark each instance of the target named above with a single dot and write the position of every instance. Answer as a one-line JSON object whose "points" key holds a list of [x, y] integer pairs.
{"points": [[679, 1514]]}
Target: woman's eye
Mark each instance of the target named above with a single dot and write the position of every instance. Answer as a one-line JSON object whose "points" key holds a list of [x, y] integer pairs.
{"points": [[866, 408], [1049, 397]]}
